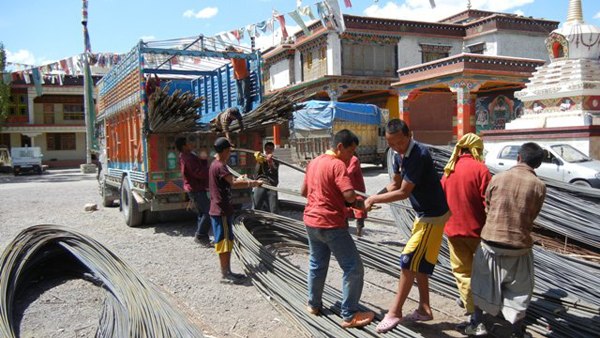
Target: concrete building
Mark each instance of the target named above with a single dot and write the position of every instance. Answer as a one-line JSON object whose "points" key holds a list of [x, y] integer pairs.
{"points": [[53, 121], [439, 70]]}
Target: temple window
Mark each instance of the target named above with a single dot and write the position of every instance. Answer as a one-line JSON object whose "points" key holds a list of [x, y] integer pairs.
{"points": [[430, 52], [369, 59], [477, 48]]}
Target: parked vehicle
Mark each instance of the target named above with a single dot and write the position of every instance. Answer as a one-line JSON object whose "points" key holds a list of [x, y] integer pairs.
{"points": [[26, 159], [314, 124], [140, 165], [562, 162], [5, 160]]}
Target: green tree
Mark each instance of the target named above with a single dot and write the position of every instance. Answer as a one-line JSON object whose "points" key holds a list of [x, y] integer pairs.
{"points": [[4, 87]]}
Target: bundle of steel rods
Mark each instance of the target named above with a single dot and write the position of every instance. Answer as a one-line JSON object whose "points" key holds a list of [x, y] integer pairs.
{"points": [[562, 305], [132, 308], [276, 109], [178, 112], [261, 235], [569, 210]]}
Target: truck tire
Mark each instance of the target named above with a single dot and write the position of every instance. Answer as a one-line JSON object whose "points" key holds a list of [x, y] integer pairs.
{"points": [[38, 169], [129, 206], [108, 200]]}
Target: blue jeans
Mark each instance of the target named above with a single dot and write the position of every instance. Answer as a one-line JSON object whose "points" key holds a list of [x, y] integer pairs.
{"points": [[244, 94], [202, 204], [322, 243]]}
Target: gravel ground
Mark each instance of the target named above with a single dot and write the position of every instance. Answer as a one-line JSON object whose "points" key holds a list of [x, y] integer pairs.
{"points": [[166, 255]]}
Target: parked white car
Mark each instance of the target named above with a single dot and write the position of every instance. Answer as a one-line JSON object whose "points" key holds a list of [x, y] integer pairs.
{"points": [[562, 163]]}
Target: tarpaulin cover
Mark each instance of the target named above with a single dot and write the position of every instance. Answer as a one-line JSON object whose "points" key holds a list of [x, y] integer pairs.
{"points": [[320, 114]]}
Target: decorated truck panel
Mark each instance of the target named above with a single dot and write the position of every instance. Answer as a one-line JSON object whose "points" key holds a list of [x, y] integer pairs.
{"points": [[140, 166], [314, 124]]}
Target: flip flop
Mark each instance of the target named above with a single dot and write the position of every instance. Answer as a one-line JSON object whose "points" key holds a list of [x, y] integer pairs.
{"points": [[388, 323], [417, 317]]}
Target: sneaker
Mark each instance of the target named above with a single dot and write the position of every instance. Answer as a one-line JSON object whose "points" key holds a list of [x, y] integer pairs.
{"points": [[238, 275], [476, 330], [203, 241], [231, 278]]}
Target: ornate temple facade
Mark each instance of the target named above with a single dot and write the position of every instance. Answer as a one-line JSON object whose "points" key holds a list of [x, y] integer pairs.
{"points": [[446, 78], [562, 99]]}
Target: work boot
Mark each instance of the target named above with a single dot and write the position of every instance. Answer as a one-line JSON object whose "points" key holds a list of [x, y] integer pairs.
{"points": [[203, 241]]}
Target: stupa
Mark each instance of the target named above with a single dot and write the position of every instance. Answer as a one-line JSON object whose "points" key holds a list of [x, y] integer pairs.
{"points": [[562, 99]]}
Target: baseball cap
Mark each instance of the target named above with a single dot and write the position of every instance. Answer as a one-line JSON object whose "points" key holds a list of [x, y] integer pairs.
{"points": [[221, 144]]}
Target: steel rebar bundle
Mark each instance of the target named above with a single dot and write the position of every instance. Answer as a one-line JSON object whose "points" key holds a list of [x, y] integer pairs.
{"points": [[260, 235], [562, 305], [132, 307], [178, 112]]}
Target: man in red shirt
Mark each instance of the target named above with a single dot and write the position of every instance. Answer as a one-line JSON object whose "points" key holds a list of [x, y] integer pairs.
{"points": [[465, 181], [194, 171], [328, 191], [242, 79]]}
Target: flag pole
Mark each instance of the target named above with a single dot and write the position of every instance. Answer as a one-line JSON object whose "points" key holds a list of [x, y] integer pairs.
{"points": [[88, 88]]}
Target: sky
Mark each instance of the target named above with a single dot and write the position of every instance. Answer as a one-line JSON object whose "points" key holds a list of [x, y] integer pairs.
{"points": [[37, 32]]}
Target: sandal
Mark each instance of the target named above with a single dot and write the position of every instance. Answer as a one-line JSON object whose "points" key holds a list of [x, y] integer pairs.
{"points": [[388, 323], [418, 317], [360, 319]]}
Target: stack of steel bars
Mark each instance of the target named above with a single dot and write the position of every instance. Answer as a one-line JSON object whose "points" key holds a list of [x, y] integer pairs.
{"points": [[259, 237], [562, 305], [132, 308]]}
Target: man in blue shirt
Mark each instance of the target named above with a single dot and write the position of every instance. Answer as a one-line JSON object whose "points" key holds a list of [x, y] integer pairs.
{"points": [[414, 178]]}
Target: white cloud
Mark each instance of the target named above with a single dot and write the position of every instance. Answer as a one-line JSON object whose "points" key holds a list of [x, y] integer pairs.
{"points": [[519, 12], [148, 37], [22, 56], [421, 10], [205, 13], [597, 16]]}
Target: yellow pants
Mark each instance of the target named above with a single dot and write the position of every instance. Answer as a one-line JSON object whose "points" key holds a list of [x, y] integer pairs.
{"points": [[462, 250]]}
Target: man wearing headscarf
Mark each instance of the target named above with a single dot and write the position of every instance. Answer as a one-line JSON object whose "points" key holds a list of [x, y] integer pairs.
{"points": [[465, 181]]}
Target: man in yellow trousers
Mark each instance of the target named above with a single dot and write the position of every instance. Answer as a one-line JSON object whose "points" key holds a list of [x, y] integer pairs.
{"points": [[465, 181]]}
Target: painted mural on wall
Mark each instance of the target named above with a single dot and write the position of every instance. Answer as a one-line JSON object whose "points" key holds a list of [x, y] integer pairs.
{"points": [[493, 112]]}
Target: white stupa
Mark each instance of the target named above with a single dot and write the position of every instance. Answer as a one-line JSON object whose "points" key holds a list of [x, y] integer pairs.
{"points": [[565, 92]]}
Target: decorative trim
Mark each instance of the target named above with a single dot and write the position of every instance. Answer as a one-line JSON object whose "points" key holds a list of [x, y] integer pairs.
{"points": [[561, 132], [370, 38], [435, 48], [556, 38], [508, 62]]}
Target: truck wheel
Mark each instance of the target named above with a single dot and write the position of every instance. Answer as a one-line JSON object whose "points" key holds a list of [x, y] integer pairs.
{"points": [[37, 170], [108, 199], [129, 206]]}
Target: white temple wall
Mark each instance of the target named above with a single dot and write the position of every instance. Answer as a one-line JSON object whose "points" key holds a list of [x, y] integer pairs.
{"points": [[280, 74], [334, 54], [522, 45]]}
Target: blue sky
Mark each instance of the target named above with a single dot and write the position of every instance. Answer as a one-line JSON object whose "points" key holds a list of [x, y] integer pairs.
{"points": [[41, 31]]}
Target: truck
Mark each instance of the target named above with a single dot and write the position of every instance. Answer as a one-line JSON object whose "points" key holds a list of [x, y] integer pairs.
{"points": [[315, 122], [26, 159], [139, 162]]}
